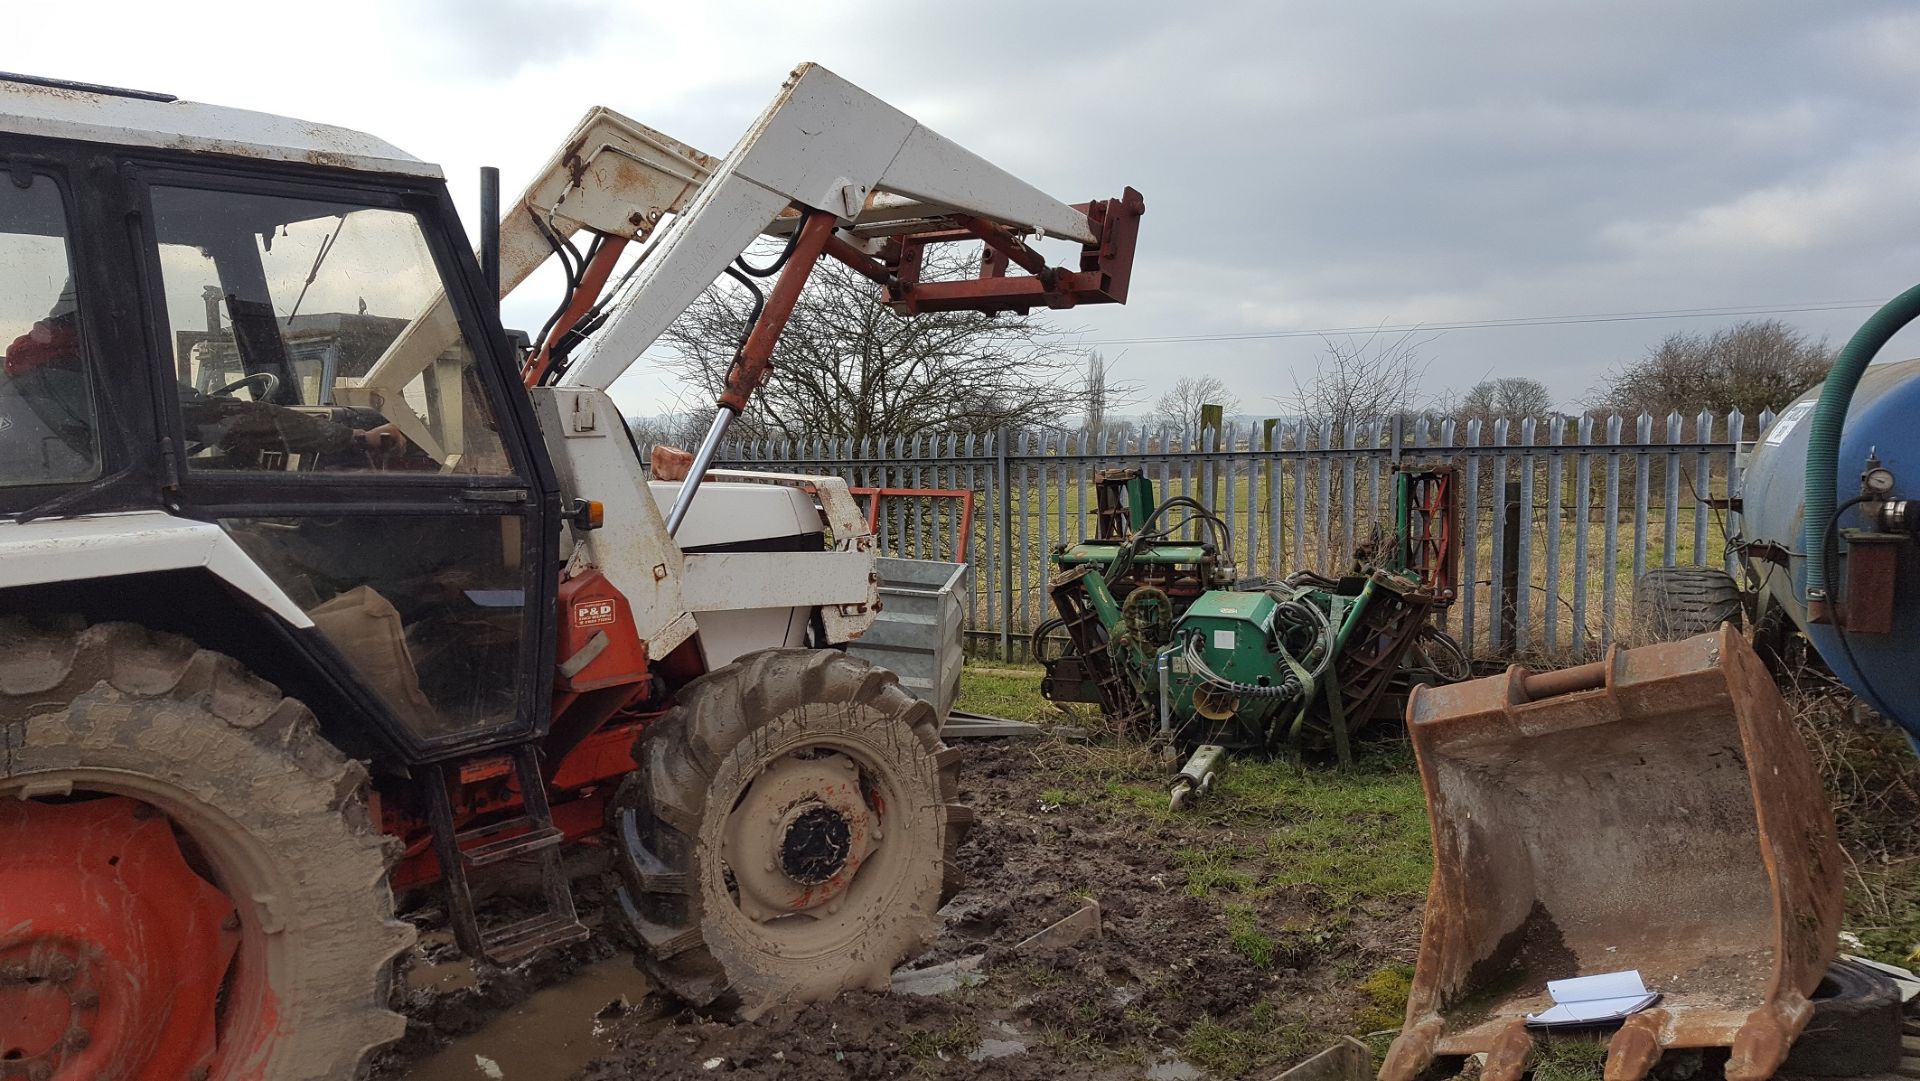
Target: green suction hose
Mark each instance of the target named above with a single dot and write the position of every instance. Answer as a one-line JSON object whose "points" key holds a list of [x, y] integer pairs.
{"points": [[1823, 435]]}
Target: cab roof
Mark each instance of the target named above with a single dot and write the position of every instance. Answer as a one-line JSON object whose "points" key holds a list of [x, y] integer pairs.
{"points": [[30, 105]]}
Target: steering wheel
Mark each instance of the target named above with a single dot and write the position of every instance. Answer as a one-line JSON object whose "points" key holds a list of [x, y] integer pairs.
{"points": [[268, 384]]}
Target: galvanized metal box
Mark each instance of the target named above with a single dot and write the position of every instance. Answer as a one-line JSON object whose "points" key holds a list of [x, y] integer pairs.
{"points": [[917, 634]]}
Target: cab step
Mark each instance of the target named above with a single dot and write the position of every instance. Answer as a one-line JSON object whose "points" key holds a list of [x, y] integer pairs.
{"points": [[528, 836]]}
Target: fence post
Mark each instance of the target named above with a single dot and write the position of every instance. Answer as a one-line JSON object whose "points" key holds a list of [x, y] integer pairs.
{"points": [[1510, 568], [1006, 545]]}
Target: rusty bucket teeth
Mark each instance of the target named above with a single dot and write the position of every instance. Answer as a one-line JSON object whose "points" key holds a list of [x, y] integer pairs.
{"points": [[1636, 1047], [1412, 1051], [1653, 811], [1511, 1051], [1762, 1043]]}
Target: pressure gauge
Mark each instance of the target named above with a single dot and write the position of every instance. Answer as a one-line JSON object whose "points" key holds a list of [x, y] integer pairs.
{"points": [[1877, 483]]}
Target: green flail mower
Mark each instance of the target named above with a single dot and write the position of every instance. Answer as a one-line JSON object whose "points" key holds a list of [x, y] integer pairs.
{"points": [[1163, 635]]}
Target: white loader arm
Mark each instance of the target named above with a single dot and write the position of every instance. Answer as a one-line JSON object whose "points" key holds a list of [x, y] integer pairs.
{"points": [[889, 185], [823, 144], [842, 175], [839, 170]]}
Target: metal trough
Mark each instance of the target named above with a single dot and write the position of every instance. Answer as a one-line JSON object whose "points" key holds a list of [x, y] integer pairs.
{"points": [[1655, 811], [917, 633]]}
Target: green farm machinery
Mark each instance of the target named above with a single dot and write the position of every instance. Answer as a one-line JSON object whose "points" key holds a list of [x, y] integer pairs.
{"points": [[1164, 635]]}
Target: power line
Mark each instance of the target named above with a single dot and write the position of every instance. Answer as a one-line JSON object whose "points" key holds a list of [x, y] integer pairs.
{"points": [[1496, 324]]}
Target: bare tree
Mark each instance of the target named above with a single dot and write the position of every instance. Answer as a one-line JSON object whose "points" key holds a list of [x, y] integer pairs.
{"points": [[1362, 380], [848, 367], [672, 429], [1180, 407], [1101, 394], [1509, 396], [1763, 364]]}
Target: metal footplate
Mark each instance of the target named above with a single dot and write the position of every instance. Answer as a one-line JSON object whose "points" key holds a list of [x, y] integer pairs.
{"points": [[530, 835]]}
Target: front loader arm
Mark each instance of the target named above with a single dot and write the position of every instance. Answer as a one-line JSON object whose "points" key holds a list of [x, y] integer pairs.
{"points": [[822, 145], [823, 155], [890, 186], [840, 173]]}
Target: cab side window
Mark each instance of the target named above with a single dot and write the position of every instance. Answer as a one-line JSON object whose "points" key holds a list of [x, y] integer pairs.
{"points": [[48, 423], [310, 335]]}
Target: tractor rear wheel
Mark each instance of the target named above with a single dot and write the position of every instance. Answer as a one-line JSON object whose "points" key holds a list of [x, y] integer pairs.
{"points": [[1672, 603], [192, 886], [789, 833]]}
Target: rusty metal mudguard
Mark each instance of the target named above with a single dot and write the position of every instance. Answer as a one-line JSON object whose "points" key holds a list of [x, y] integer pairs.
{"points": [[1655, 811]]}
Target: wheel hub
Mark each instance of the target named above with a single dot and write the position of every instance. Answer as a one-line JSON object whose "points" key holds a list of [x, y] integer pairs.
{"points": [[112, 950], [815, 844], [798, 836]]}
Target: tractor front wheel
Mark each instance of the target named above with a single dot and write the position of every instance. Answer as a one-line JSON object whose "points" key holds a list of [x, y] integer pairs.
{"points": [[191, 886], [789, 833]]}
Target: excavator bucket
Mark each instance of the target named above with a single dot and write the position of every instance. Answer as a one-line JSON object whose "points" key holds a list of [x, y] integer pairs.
{"points": [[1654, 811]]}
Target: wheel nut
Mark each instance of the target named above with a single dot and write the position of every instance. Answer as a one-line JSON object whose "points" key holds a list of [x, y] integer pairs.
{"points": [[86, 998], [40, 1071], [231, 923], [77, 1039], [60, 970]]}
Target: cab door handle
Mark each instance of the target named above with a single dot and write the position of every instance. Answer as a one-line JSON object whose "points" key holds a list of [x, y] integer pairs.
{"points": [[494, 495]]}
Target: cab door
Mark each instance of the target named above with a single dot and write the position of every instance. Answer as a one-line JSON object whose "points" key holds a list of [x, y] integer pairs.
{"points": [[343, 406]]}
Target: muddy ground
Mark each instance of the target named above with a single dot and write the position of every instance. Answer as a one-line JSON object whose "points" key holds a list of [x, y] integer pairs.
{"points": [[1207, 964], [1235, 940]]}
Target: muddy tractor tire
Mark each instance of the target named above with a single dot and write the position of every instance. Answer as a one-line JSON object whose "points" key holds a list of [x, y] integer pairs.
{"points": [[192, 885], [1672, 603], [790, 832]]}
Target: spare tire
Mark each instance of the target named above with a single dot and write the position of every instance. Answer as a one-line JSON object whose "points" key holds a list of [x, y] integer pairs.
{"points": [[1672, 603], [1855, 1028]]}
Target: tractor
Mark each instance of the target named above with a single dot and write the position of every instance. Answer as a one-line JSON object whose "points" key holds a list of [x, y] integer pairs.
{"points": [[317, 590]]}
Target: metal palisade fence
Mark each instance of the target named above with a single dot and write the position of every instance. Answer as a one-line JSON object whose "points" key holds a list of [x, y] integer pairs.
{"points": [[1558, 516]]}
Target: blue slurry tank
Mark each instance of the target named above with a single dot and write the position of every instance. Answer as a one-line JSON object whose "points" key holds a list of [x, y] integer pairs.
{"points": [[1881, 430]]}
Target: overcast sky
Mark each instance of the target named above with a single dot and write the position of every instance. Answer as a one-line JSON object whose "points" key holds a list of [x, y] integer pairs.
{"points": [[1306, 166]]}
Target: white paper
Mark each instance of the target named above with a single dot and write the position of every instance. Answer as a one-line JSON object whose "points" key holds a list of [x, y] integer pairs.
{"points": [[1586, 1000]]}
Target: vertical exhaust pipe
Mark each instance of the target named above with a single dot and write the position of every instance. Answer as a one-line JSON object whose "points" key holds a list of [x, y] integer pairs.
{"points": [[490, 231]]}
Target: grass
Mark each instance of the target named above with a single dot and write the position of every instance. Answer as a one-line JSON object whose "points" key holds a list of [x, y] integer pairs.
{"points": [[1873, 782], [1567, 1057], [1354, 835], [951, 1042], [1386, 991], [1244, 934], [1012, 692], [1234, 1050], [1211, 870]]}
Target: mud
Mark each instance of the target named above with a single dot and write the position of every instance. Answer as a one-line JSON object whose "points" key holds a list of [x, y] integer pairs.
{"points": [[1134, 1003]]}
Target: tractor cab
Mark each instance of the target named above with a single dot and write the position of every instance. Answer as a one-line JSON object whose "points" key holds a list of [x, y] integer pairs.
{"points": [[251, 353]]}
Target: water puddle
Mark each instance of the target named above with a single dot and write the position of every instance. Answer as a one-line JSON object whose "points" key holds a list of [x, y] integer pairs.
{"points": [[1173, 1068], [1011, 1042], [552, 1033]]}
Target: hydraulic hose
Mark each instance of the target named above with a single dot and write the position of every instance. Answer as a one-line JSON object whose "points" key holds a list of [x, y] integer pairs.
{"points": [[1823, 433]]}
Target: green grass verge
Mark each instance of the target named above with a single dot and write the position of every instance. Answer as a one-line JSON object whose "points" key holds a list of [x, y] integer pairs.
{"points": [[1010, 691], [1234, 1050]]}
